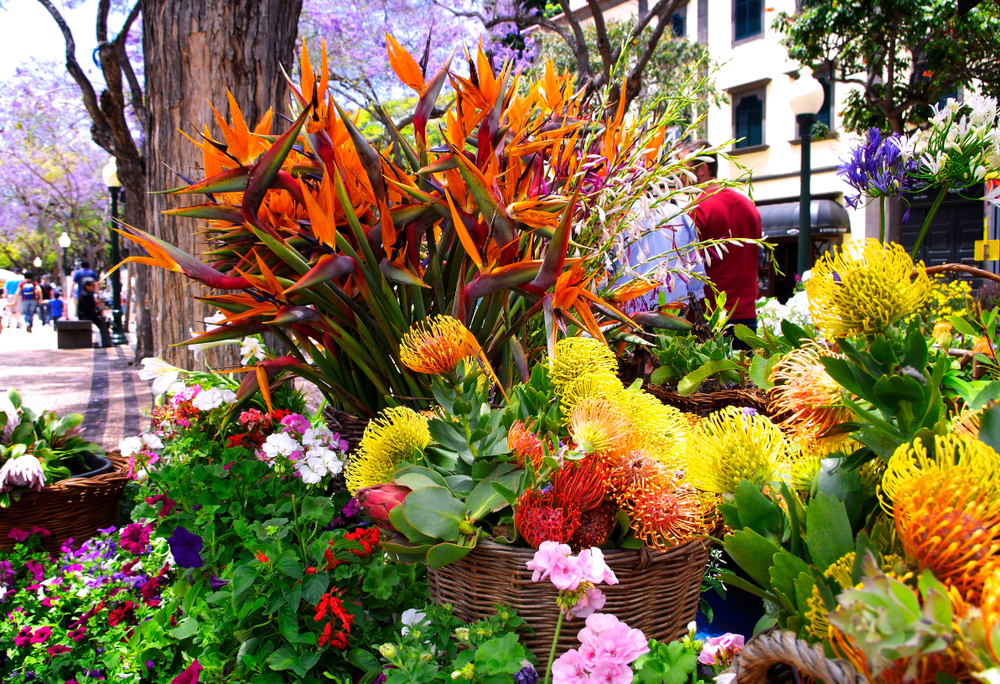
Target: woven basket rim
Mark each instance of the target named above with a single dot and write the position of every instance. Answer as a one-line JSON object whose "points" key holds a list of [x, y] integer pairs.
{"points": [[610, 554], [117, 474]]}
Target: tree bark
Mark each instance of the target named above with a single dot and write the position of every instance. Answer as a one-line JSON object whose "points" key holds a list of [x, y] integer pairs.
{"points": [[195, 50]]}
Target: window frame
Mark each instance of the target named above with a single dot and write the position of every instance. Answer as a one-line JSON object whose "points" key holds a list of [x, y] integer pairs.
{"points": [[736, 95], [754, 36]]}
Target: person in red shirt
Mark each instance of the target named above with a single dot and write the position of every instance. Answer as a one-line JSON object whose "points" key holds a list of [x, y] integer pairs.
{"points": [[723, 213]]}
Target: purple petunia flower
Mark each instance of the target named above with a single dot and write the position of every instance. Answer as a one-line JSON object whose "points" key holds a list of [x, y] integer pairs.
{"points": [[186, 548], [352, 508], [217, 583], [18, 535]]}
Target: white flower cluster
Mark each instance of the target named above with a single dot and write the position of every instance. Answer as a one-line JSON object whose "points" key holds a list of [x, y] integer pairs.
{"points": [[209, 399], [314, 453], [962, 148], [771, 312], [131, 446]]}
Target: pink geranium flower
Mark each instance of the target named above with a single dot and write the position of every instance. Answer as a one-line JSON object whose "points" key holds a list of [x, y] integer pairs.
{"points": [[565, 573], [611, 673], [590, 601], [721, 650], [570, 668], [546, 556], [594, 568]]}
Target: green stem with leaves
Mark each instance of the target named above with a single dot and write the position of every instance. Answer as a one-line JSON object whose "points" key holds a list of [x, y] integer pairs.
{"points": [[927, 221], [881, 220], [298, 531]]}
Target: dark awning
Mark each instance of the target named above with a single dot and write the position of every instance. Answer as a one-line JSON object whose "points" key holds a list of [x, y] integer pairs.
{"points": [[781, 220]]}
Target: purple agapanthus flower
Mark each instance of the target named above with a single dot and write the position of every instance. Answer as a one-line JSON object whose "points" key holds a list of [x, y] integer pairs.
{"points": [[186, 548], [881, 166]]}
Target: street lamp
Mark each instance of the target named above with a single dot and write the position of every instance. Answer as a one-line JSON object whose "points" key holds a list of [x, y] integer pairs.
{"points": [[806, 99], [37, 262], [64, 243], [110, 175]]}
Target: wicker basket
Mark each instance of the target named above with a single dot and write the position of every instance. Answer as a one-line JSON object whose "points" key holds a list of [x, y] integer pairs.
{"points": [[766, 652], [69, 509], [657, 592], [704, 403], [350, 427]]}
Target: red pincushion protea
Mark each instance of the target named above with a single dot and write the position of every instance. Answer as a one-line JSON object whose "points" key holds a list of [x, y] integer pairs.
{"points": [[580, 484], [539, 518], [595, 527]]}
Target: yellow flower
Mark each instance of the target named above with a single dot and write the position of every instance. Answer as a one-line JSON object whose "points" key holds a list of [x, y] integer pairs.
{"points": [[815, 616], [663, 430], [599, 427], [808, 393], [953, 450], [736, 444], [436, 345], [577, 356], [863, 288], [990, 605], [602, 383], [968, 422], [387, 442]]}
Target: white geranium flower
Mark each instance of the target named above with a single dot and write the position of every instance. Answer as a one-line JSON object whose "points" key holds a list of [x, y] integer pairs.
{"points": [[23, 471], [311, 470], [252, 349], [130, 446], [280, 443], [152, 441], [317, 436], [161, 373], [213, 399], [411, 618]]}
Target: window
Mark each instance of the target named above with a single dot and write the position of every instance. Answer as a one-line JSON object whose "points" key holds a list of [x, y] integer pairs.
{"points": [[823, 115], [677, 24], [748, 119], [748, 19]]}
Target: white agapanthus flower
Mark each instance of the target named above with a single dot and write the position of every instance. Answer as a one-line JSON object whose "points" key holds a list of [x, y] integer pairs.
{"points": [[161, 373], [130, 446], [209, 399], [280, 444], [252, 349], [22, 471]]}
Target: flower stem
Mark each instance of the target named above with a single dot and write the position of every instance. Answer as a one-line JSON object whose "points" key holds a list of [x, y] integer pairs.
{"points": [[552, 651], [298, 532], [881, 220], [927, 221]]}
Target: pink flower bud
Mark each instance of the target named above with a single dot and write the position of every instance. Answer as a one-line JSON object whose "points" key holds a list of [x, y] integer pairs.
{"points": [[378, 500]]}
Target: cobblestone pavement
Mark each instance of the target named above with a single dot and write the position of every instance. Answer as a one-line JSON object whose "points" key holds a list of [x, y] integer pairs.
{"points": [[99, 383]]}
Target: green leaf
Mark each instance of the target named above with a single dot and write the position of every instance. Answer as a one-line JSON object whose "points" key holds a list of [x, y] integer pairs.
{"points": [[316, 509], [841, 371], [835, 480], [508, 494], [243, 579], [828, 531], [398, 521], [288, 623], [282, 659], [501, 655], [290, 566], [731, 516], [690, 383], [730, 579], [989, 430], [185, 628], [381, 581], [757, 511], [760, 370], [484, 499], [661, 375], [754, 553], [444, 553], [892, 389], [435, 512], [786, 568], [363, 660], [416, 477], [314, 587], [962, 326]]}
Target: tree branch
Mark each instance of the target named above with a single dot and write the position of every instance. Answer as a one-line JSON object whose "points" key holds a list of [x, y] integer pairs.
{"points": [[100, 129], [578, 45], [138, 100], [603, 44]]}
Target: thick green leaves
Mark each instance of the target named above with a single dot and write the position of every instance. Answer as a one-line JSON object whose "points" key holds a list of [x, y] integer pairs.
{"points": [[754, 553], [435, 512], [828, 531]]}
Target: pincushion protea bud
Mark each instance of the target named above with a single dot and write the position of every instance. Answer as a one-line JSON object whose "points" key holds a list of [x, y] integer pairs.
{"points": [[378, 500]]}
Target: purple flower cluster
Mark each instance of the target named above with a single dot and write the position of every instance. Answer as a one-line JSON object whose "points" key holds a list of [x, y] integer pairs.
{"points": [[879, 167]]}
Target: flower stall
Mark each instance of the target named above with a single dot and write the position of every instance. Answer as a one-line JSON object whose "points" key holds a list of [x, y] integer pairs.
{"points": [[526, 467]]}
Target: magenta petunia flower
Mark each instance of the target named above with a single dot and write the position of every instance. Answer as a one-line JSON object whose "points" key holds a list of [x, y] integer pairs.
{"points": [[18, 535], [57, 649], [135, 538], [41, 634]]}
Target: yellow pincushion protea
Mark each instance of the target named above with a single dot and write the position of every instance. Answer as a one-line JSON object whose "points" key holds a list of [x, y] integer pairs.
{"points": [[990, 605], [664, 431], [436, 346], [737, 444], [387, 442], [806, 391], [968, 422], [603, 384], [601, 428], [953, 450], [864, 287], [577, 356]]}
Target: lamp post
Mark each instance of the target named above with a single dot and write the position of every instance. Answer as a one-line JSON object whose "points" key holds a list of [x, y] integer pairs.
{"points": [[110, 175], [64, 243], [37, 263], [806, 99]]}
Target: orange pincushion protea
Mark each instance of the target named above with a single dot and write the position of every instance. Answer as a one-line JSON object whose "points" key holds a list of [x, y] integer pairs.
{"points": [[635, 472], [944, 522], [525, 444], [581, 485], [807, 392], [990, 605], [904, 671], [663, 517], [435, 346]]}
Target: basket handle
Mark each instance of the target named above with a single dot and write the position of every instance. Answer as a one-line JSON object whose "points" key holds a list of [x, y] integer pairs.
{"points": [[776, 648]]}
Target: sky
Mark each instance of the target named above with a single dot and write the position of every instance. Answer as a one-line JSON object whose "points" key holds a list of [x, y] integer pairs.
{"points": [[28, 31]]}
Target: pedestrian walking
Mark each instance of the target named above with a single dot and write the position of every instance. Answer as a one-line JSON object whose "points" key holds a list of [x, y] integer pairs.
{"points": [[85, 271], [89, 309], [45, 291], [29, 293]]}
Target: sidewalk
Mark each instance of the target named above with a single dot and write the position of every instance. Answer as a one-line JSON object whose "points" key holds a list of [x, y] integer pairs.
{"points": [[99, 383]]}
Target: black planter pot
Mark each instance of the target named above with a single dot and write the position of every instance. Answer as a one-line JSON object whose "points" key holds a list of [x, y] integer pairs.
{"points": [[95, 465]]}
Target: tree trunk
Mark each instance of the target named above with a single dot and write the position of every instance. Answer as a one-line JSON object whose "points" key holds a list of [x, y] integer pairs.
{"points": [[194, 51]]}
